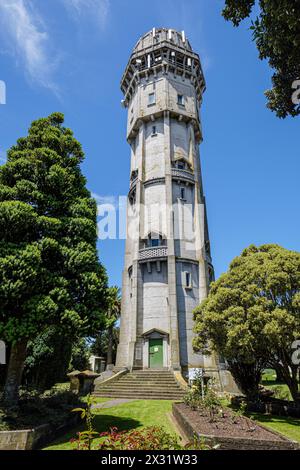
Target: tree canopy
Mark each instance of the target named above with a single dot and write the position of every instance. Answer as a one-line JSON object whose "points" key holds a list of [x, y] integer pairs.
{"points": [[252, 314], [276, 31], [50, 273]]}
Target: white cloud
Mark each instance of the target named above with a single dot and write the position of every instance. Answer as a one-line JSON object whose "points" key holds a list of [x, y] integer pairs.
{"points": [[97, 10], [2, 156], [106, 200], [28, 40]]}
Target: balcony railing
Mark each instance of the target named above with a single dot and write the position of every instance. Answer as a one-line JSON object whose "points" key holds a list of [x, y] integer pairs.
{"points": [[153, 252], [185, 174], [133, 182]]}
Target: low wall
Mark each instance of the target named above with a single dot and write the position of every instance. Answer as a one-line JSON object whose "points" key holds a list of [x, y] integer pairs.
{"points": [[29, 439], [231, 443]]}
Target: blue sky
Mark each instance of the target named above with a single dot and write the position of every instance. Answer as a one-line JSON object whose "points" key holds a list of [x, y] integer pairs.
{"points": [[69, 56]]}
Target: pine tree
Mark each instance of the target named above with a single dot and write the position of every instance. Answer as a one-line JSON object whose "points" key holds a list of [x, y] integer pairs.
{"points": [[49, 269]]}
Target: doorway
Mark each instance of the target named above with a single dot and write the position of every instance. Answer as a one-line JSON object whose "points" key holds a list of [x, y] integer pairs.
{"points": [[155, 353]]}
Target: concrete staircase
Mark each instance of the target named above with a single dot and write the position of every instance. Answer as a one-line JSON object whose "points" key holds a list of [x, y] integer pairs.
{"points": [[142, 384]]}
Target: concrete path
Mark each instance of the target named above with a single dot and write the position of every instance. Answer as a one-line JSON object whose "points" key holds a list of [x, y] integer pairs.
{"points": [[114, 402]]}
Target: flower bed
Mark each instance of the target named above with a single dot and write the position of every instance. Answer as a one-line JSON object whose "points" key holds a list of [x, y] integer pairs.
{"points": [[228, 430]]}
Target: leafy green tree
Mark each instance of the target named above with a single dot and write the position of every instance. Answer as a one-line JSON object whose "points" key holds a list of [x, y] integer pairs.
{"points": [[252, 316], [48, 358], [80, 354], [99, 345], [276, 31], [112, 315], [49, 269], [51, 355]]}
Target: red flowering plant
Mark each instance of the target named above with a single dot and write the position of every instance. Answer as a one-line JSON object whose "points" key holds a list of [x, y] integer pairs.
{"points": [[151, 438]]}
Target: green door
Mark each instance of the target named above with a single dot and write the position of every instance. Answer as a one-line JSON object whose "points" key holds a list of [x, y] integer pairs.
{"points": [[155, 353]]}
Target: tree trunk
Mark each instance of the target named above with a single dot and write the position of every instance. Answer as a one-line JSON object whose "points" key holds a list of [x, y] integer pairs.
{"points": [[247, 377], [289, 375], [110, 346], [293, 386], [279, 376], [14, 373]]}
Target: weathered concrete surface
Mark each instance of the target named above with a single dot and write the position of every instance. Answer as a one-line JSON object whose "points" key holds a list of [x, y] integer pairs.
{"points": [[163, 89]]}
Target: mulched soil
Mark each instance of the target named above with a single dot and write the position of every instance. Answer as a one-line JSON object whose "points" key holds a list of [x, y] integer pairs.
{"points": [[226, 425]]}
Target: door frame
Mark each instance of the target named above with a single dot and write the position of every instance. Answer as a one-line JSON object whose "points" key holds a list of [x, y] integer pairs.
{"points": [[156, 334]]}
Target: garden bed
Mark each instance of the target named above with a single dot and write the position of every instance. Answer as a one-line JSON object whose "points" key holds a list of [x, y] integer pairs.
{"points": [[228, 430]]}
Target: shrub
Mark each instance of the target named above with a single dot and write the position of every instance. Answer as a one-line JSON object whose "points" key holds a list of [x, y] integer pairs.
{"points": [[51, 407], [152, 438], [208, 401]]}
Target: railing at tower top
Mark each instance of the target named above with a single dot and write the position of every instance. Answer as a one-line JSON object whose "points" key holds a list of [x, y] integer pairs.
{"points": [[153, 252], [140, 67]]}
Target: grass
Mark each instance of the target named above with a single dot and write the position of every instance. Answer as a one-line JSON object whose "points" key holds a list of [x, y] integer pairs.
{"points": [[127, 416], [144, 413], [280, 390], [289, 427]]}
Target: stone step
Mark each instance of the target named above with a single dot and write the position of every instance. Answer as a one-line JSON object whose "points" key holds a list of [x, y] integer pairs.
{"points": [[142, 396], [140, 390], [146, 379], [142, 384], [141, 372], [138, 386], [150, 392], [152, 372], [137, 390]]}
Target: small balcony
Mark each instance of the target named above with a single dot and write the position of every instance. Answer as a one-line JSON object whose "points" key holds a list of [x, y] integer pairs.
{"points": [[183, 174], [133, 182], [153, 253]]}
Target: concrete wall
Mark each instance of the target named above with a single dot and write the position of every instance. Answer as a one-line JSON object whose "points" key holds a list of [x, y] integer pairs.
{"points": [[187, 301], [166, 89], [154, 149], [154, 295]]}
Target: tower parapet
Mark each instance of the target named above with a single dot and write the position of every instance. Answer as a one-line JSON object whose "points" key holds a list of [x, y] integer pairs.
{"points": [[162, 53]]}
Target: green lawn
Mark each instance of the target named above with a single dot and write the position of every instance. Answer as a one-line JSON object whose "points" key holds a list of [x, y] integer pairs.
{"points": [[127, 416], [289, 427], [143, 413], [280, 390]]}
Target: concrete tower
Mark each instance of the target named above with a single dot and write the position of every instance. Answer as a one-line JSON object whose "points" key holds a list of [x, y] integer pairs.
{"points": [[167, 269]]}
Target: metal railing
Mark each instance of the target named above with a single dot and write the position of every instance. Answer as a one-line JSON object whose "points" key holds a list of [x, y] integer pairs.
{"points": [[186, 174], [153, 252]]}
